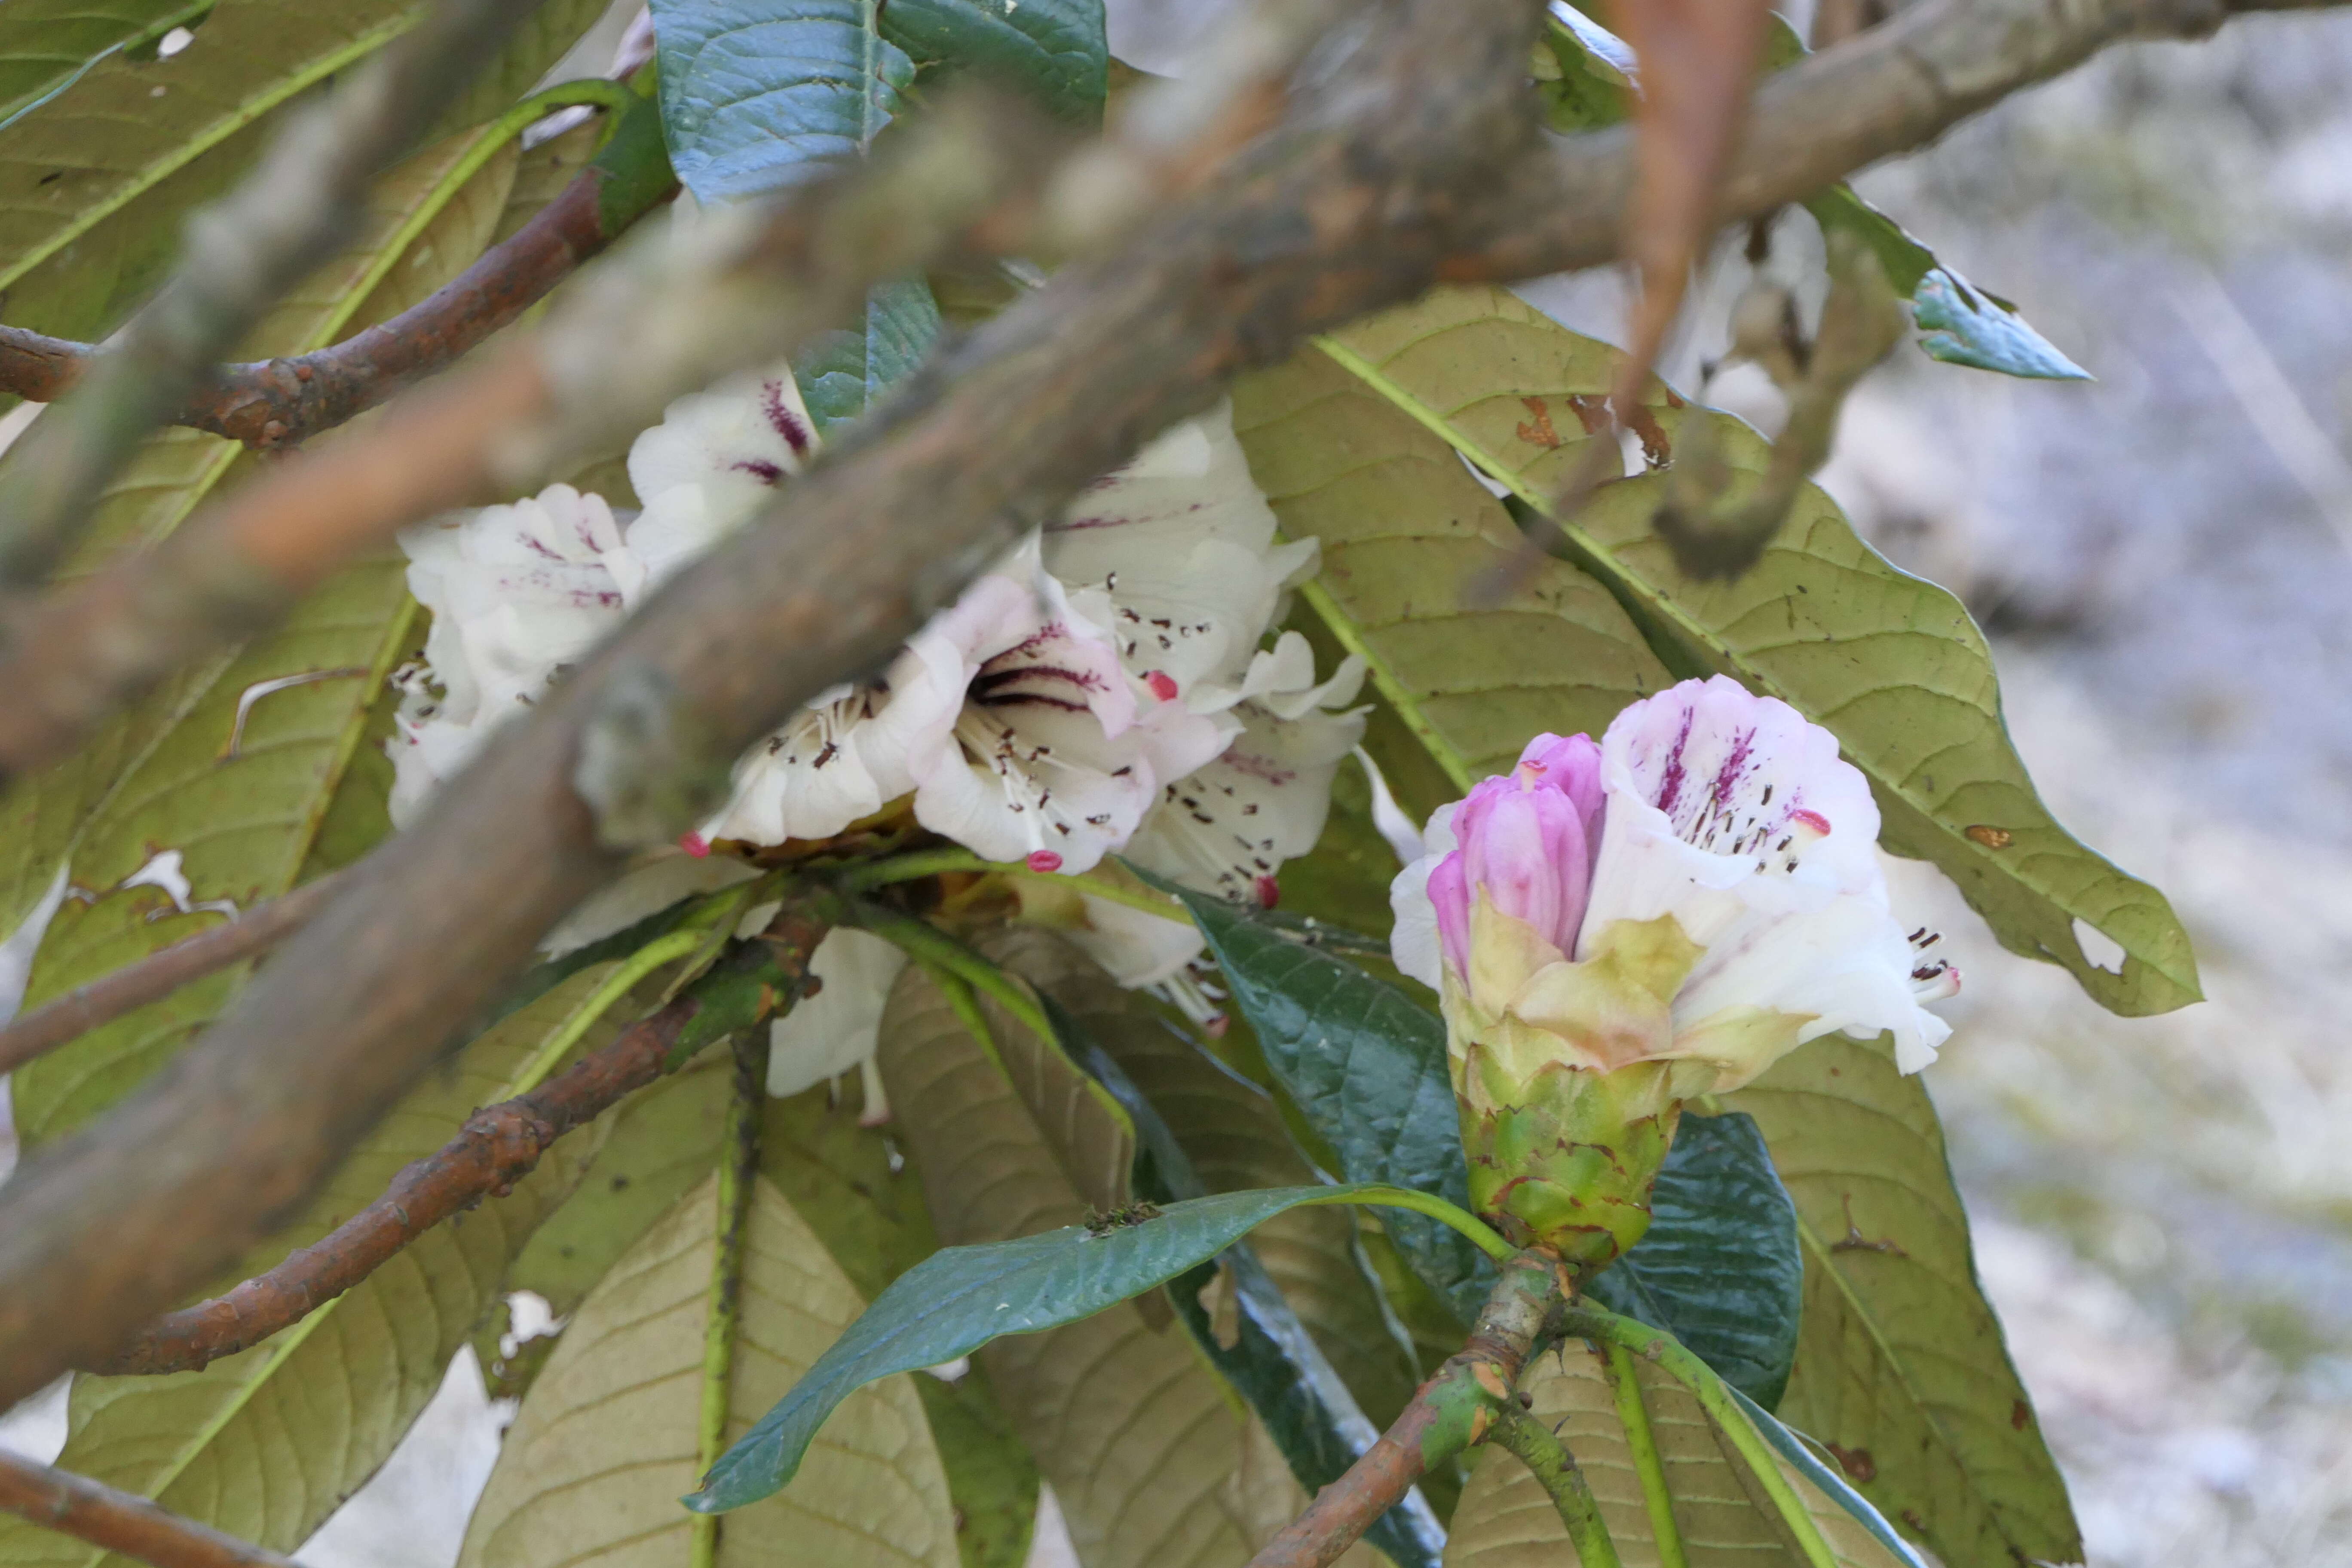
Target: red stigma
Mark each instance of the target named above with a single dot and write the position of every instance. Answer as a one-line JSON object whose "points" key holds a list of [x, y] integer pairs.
{"points": [[1162, 684], [1044, 860], [695, 845], [1268, 895], [1812, 819]]}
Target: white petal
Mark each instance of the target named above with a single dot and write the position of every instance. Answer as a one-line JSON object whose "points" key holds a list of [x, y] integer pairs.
{"points": [[1137, 948], [1228, 827], [1414, 941], [744, 435], [837, 1029]]}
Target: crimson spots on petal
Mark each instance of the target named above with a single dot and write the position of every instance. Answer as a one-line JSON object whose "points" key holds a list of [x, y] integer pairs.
{"points": [[785, 422], [759, 469]]}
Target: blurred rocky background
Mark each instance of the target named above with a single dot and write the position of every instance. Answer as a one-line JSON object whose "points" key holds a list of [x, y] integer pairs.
{"points": [[2164, 560]]}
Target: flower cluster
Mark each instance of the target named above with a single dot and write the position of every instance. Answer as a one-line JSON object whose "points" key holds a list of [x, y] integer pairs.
{"points": [[1102, 688], [1616, 927]]}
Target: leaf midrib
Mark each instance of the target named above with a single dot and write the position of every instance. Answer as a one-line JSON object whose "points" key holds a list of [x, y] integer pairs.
{"points": [[156, 170]]}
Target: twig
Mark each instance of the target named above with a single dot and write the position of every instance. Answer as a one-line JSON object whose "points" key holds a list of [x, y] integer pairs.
{"points": [[498, 1145], [281, 402], [1455, 1408], [1556, 1470], [1350, 206], [742, 288], [289, 215], [1885, 90], [120, 1521], [159, 973], [738, 1176]]}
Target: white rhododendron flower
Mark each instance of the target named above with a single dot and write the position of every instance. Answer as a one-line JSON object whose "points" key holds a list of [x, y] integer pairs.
{"points": [[1174, 555], [709, 464], [1712, 853], [1052, 754], [516, 591], [1226, 828], [1614, 929]]}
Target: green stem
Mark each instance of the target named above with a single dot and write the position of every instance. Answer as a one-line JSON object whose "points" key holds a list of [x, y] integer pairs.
{"points": [[1665, 1351], [937, 951], [932, 862], [559, 1040], [1641, 1443], [739, 1173], [1480, 1233], [1556, 1469]]}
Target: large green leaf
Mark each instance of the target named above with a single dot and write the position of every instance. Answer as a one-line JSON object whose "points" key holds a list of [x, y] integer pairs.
{"points": [[1901, 1370], [607, 1439], [266, 1443], [1367, 1066], [1720, 1269], [1891, 664], [1154, 1461], [1722, 1521], [759, 94], [234, 768], [963, 1298], [1055, 49]]}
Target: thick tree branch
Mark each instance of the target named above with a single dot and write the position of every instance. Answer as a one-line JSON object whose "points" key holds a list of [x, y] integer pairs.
{"points": [[281, 402], [1890, 90], [287, 217], [1349, 206], [159, 973], [499, 1146], [120, 1521], [678, 309], [1456, 1407]]}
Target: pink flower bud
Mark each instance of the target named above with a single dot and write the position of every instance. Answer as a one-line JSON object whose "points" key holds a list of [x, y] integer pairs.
{"points": [[1528, 840]]}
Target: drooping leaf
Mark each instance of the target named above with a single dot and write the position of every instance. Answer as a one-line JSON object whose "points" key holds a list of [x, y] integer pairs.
{"points": [[605, 1441], [1152, 1458], [1367, 1066], [1891, 664], [1959, 324], [1055, 49], [265, 1444], [235, 767], [1720, 1269], [759, 96], [1254, 1340], [1794, 1451], [1507, 1520], [843, 373], [963, 1298], [1901, 1372]]}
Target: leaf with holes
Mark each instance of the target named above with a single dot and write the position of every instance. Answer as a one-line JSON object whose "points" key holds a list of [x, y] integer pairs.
{"points": [[1891, 664], [1901, 1372], [215, 795], [759, 96]]}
